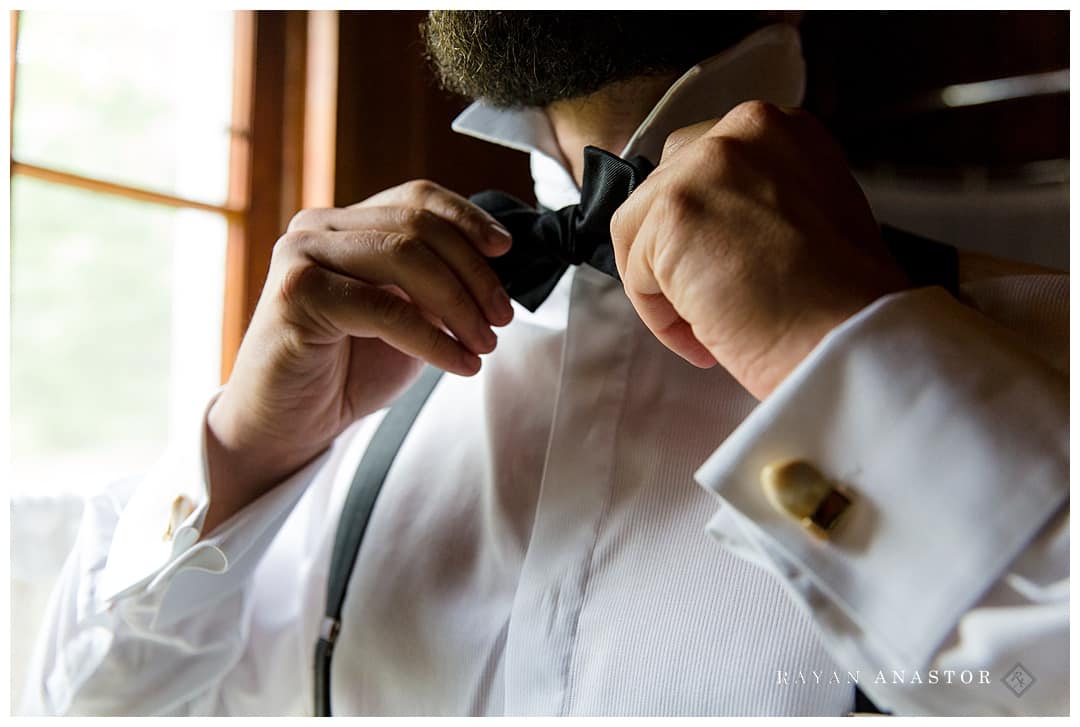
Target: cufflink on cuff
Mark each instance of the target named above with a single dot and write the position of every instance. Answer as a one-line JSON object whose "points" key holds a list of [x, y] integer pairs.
{"points": [[181, 508], [798, 490]]}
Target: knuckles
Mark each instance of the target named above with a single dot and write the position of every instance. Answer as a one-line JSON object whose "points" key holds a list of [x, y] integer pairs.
{"points": [[290, 244], [757, 113], [388, 311], [420, 190], [458, 298], [401, 247], [307, 219], [434, 339], [719, 154], [415, 221], [298, 282], [680, 206]]}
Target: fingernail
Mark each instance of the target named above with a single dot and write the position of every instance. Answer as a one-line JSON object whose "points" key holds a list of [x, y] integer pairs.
{"points": [[502, 308], [471, 363], [499, 234]]}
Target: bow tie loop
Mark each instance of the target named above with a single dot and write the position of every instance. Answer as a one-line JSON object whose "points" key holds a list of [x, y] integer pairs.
{"points": [[607, 181], [547, 242]]}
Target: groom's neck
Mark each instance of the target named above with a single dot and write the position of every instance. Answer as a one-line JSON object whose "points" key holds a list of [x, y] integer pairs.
{"points": [[606, 118]]}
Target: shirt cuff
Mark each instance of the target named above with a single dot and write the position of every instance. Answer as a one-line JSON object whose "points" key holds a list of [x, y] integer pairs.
{"points": [[156, 555], [952, 439]]}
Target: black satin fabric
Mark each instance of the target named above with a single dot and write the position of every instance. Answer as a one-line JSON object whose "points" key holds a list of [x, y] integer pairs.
{"points": [[547, 242]]}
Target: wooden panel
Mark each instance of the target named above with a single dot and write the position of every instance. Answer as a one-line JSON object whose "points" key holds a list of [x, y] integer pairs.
{"points": [[394, 123], [865, 69], [293, 130]]}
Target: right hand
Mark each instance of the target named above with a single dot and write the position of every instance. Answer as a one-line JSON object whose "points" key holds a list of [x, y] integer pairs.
{"points": [[356, 299]]}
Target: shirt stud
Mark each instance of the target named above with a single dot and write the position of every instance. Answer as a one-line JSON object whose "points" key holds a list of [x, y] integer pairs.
{"points": [[798, 490]]}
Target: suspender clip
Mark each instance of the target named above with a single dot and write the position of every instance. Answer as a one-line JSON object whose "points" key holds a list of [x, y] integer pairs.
{"points": [[329, 629]]}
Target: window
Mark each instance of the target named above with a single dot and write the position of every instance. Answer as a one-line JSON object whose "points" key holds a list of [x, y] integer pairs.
{"points": [[120, 175], [129, 163]]}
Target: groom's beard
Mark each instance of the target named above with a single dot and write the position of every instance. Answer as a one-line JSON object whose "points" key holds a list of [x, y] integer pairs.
{"points": [[516, 59]]}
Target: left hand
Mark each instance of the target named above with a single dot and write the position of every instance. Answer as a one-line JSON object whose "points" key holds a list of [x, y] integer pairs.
{"points": [[749, 242]]}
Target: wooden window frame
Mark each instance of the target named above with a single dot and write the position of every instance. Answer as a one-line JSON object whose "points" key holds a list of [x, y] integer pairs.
{"points": [[288, 157], [281, 148]]}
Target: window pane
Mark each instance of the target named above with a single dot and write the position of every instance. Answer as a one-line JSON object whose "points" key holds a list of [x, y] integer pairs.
{"points": [[116, 331], [143, 99]]}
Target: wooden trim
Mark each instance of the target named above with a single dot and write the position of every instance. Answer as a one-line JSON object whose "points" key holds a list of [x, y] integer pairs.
{"points": [[234, 311], [292, 114], [320, 109], [273, 150], [263, 223], [119, 190], [240, 129]]}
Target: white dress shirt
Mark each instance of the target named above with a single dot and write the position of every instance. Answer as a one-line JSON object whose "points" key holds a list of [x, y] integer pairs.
{"points": [[579, 528]]}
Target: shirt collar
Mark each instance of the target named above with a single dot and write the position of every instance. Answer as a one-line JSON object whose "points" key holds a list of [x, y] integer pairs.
{"points": [[766, 65]]}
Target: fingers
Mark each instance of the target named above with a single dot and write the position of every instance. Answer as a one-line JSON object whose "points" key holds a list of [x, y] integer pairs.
{"points": [[785, 133], [658, 313], [461, 254], [711, 150], [628, 218], [455, 229], [635, 230], [448, 242], [339, 303], [753, 120], [406, 262], [671, 329], [489, 236], [679, 138]]}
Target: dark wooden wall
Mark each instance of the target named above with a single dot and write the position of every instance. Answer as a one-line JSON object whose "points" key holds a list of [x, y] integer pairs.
{"points": [[866, 69], [869, 72], [394, 122]]}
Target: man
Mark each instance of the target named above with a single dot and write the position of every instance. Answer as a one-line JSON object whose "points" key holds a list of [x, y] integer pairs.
{"points": [[540, 545]]}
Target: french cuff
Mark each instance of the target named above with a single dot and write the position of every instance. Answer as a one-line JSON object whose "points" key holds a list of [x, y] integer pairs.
{"points": [[952, 443], [156, 555]]}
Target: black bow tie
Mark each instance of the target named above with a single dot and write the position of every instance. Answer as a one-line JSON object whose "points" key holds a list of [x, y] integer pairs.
{"points": [[547, 242]]}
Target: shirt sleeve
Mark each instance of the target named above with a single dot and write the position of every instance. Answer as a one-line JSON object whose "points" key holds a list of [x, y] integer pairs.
{"points": [[945, 589], [146, 619]]}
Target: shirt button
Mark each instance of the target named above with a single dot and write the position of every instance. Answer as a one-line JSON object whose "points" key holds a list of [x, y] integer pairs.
{"points": [[798, 490], [181, 507]]}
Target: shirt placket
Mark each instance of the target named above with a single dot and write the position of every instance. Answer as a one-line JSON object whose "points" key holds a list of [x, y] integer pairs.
{"points": [[574, 495]]}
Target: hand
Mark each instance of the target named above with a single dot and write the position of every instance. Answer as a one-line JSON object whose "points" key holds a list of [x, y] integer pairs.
{"points": [[749, 242], [355, 300]]}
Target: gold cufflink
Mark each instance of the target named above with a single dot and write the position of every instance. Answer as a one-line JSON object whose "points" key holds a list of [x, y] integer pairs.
{"points": [[797, 489], [182, 506]]}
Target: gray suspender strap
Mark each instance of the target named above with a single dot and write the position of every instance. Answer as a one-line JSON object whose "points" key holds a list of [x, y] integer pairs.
{"points": [[355, 515]]}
